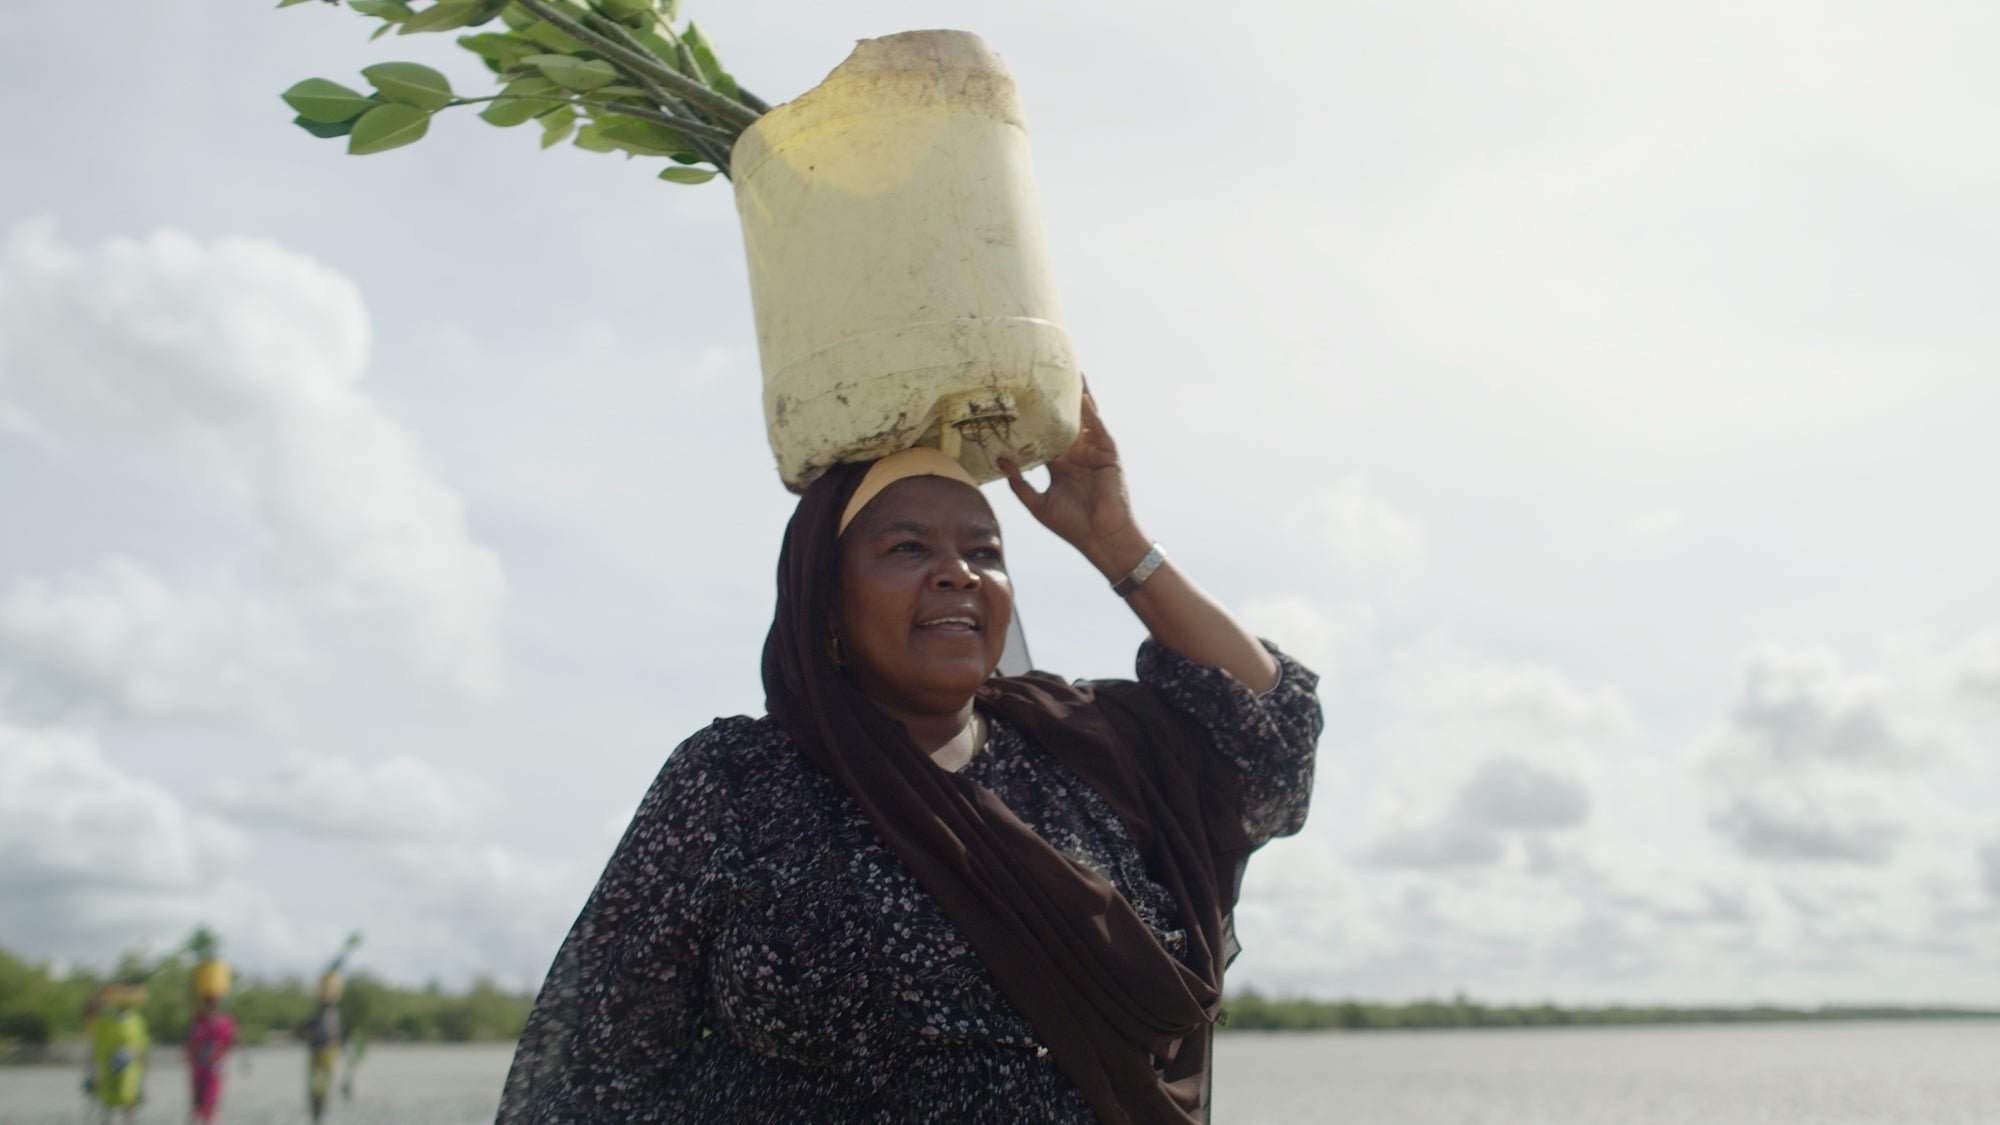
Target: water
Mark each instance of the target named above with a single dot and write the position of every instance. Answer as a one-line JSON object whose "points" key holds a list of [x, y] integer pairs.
{"points": [[1906, 1073]]}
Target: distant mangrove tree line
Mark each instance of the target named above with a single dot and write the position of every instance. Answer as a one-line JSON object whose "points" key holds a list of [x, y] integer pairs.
{"points": [[39, 1006], [1249, 1011]]}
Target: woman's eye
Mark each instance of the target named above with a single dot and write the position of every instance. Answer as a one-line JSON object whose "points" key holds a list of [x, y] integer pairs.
{"points": [[907, 545]]}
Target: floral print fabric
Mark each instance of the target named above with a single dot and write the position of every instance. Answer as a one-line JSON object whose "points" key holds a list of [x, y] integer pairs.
{"points": [[753, 953]]}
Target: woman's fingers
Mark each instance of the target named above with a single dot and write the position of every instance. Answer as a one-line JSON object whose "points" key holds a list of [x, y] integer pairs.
{"points": [[1026, 493]]}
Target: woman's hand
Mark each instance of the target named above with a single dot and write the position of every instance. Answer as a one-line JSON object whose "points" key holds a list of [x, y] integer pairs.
{"points": [[1085, 502]]}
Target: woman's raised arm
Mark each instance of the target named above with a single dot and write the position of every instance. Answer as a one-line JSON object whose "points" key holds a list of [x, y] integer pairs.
{"points": [[1087, 505]]}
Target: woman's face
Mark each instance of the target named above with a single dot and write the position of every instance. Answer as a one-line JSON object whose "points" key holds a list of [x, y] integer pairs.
{"points": [[924, 600]]}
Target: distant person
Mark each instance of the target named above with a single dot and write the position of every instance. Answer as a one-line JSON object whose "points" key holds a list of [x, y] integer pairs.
{"points": [[118, 1052], [323, 1036], [919, 891], [209, 1039]]}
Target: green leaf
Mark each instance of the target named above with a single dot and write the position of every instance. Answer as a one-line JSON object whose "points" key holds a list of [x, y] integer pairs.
{"points": [[381, 31], [324, 128], [317, 99], [497, 47], [587, 138], [441, 16], [642, 138], [688, 175], [557, 125], [392, 10], [386, 127], [551, 37], [289, 3], [711, 67], [581, 75], [673, 12], [524, 103], [410, 83], [632, 13]]}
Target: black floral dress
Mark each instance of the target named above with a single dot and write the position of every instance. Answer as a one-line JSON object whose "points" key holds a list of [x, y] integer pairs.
{"points": [[753, 953]]}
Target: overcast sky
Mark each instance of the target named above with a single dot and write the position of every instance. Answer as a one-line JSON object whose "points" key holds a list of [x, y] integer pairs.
{"points": [[1601, 397]]}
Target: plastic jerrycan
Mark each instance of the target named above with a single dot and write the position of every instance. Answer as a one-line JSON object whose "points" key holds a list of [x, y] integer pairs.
{"points": [[898, 269]]}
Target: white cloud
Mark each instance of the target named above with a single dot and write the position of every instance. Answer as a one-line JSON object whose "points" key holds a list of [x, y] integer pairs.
{"points": [[1506, 792], [476, 905], [1364, 535], [1989, 868], [1514, 704], [94, 861], [242, 360], [1799, 706], [1319, 636], [119, 641], [68, 819], [394, 800]]}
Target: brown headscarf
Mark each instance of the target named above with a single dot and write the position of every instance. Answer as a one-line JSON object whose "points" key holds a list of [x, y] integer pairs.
{"points": [[1125, 1020]]}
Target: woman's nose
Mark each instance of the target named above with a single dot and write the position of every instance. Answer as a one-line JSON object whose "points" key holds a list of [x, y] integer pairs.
{"points": [[956, 571]]}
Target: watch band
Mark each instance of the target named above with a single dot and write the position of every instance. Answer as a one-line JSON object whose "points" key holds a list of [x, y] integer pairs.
{"points": [[1125, 587]]}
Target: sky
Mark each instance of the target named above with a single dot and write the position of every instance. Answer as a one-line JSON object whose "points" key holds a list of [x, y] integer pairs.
{"points": [[1600, 398]]}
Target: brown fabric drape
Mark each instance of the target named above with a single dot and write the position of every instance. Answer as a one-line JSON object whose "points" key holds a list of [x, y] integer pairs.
{"points": [[1065, 947]]}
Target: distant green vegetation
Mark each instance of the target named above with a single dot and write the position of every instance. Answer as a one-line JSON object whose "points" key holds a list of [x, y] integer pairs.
{"points": [[1249, 1011], [38, 1006]]}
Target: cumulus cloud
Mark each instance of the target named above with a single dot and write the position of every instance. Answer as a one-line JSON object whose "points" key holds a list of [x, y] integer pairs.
{"points": [[1817, 762], [1364, 535], [1318, 635], [70, 819], [119, 641], [478, 905], [399, 799], [1809, 820], [1508, 702], [92, 857], [1484, 752], [1801, 705], [1507, 792], [241, 361], [1449, 843]]}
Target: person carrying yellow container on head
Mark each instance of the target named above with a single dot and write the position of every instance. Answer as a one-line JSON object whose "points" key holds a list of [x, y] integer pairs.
{"points": [[118, 1052], [323, 1033], [210, 1036]]}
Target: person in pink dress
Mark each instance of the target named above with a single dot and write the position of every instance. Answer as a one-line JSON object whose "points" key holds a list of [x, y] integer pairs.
{"points": [[209, 1039]]}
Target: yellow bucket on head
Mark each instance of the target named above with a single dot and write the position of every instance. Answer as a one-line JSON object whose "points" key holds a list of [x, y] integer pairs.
{"points": [[902, 285], [211, 979]]}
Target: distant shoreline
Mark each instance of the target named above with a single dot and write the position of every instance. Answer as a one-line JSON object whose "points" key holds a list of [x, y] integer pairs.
{"points": [[1250, 1011]]}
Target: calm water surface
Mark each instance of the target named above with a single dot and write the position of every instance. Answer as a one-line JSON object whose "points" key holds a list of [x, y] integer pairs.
{"points": [[1795, 1074]]}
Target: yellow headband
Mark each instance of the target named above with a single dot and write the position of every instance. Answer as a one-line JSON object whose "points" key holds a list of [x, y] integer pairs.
{"points": [[920, 462]]}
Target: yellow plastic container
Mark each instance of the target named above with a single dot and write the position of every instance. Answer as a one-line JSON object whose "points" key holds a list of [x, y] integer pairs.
{"points": [[211, 979], [898, 268]]}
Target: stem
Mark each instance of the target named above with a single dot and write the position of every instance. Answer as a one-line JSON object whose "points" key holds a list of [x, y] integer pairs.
{"points": [[639, 65], [694, 129], [716, 149]]}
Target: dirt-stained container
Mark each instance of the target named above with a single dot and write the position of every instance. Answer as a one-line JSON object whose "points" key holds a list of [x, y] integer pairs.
{"points": [[898, 268]]}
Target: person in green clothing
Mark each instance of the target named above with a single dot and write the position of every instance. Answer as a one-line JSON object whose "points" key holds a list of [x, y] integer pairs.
{"points": [[118, 1048]]}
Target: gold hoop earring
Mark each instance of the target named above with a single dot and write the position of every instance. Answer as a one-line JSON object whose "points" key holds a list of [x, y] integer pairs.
{"points": [[839, 661]]}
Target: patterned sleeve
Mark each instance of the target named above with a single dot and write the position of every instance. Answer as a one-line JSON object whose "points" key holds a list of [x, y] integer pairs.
{"points": [[1270, 738], [626, 994]]}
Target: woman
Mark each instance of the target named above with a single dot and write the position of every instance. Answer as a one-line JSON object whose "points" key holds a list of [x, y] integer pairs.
{"points": [[118, 1048], [918, 892], [209, 1039]]}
